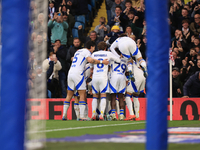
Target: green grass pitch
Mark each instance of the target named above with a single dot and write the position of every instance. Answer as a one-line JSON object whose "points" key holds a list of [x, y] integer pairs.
{"points": [[58, 129]]}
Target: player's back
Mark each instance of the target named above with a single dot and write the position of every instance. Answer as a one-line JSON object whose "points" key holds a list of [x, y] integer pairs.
{"points": [[126, 45], [101, 70], [79, 61], [119, 68]]}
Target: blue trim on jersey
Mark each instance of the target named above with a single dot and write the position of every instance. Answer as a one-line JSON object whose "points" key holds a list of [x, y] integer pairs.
{"points": [[68, 88], [127, 56], [95, 98], [127, 95], [76, 94], [82, 61], [85, 70], [135, 53], [105, 89], [113, 89], [94, 89], [103, 97], [123, 90], [142, 91], [80, 83], [134, 87], [76, 104]]}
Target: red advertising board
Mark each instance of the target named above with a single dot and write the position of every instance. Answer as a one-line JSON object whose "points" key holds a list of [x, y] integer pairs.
{"points": [[183, 109]]}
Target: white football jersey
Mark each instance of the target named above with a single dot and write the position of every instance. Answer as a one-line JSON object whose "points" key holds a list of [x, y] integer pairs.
{"points": [[126, 45], [119, 68], [79, 61], [102, 69]]}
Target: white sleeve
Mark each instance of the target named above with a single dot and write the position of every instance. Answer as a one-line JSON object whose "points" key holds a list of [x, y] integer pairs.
{"points": [[87, 54], [114, 58], [113, 46]]}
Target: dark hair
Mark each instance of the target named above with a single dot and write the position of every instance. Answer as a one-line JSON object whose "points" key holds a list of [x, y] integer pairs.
{"points": [[93, 32], [129, 1], [123, 35], [89, 44], [184, 9], [118, 6], [131, 12], [101, 46], [57, 40], [51, 53], [76, 38], [185, 21]]}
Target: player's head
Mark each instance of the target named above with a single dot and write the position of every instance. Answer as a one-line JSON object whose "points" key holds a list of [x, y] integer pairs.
{"points": [[123, 35], [102, 46], [90, 45]]}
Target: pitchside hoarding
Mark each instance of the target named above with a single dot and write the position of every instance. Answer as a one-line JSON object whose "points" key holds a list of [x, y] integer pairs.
{"points": [[183, 109]]}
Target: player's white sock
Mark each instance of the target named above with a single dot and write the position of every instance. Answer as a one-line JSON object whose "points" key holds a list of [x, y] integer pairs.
{"points": [[108, 107], [136, 106], [117, 107], [65, 108], [82, 105], [76, 108], [94, 105], [129, 104], [103, 105], [86, 111]]}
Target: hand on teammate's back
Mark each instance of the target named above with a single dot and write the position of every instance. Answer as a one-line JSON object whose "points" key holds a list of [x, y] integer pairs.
{"points": [[105, 61]]}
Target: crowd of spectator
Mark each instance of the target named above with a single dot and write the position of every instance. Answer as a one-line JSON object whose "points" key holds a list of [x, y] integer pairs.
{"points": [[67, 21]]}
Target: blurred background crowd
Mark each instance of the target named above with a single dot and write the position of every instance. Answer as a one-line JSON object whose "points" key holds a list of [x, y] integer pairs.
{"points": [[69, 23]]}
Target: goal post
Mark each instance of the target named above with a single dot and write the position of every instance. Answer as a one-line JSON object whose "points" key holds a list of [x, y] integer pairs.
{"points": [[158, 42], [14, 58]]}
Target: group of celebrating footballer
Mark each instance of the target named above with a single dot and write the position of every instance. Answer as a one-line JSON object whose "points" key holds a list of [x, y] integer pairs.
{"points": [[117, 73]]}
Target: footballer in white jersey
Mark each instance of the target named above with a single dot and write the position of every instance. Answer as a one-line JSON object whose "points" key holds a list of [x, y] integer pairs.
{"points": [[118, 85], [100, 71], [100, 78], [128, 49], [133, 90], [76, 80]]}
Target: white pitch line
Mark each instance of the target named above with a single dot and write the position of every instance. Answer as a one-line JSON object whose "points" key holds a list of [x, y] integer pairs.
{"points": [[86, 127]]}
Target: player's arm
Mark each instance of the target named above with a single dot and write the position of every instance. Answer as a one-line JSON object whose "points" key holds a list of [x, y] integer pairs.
{"points": [[113, 46], [95, 61]]}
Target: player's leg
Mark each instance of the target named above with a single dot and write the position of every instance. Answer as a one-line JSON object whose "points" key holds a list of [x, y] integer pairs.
{"points": [[129, 103], [82, 102], [142, 63], [102, 105], [104, 88], [136, 105], [129, 90], [66, 105], [76, 106], [121, 105], [113, 106], [94, 106], [70, 93]]}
